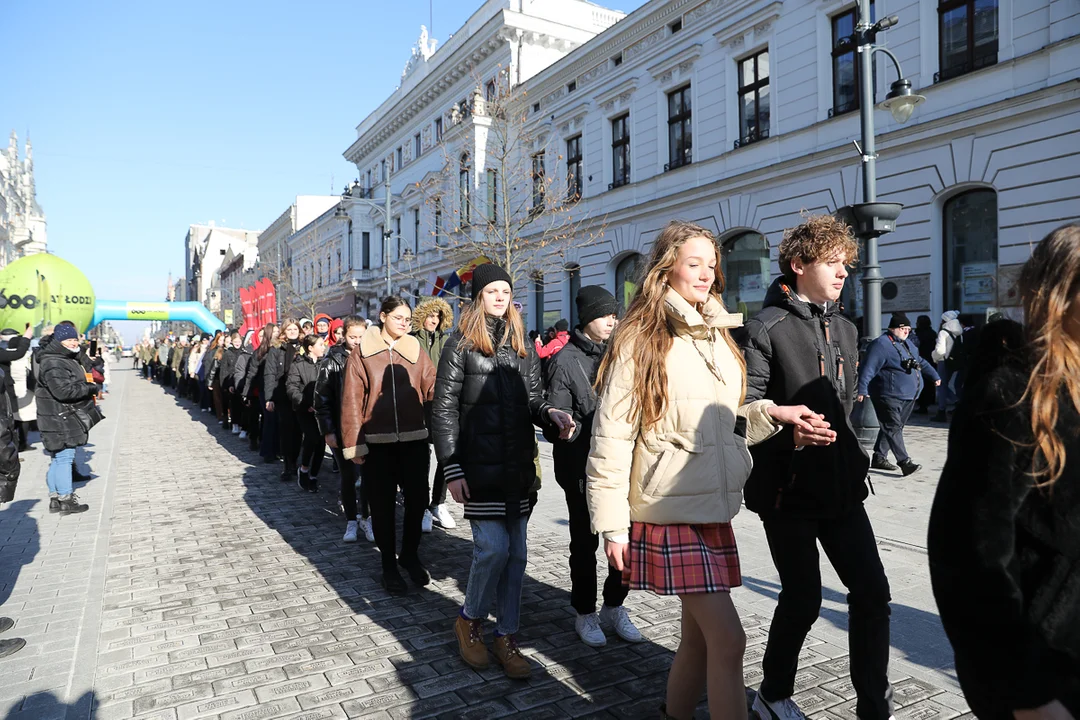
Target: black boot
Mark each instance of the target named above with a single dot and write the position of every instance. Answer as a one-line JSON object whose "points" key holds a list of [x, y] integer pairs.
{"points": [[909, 467], [69, 504], [10, 646], [393, 583], [54, 504], [417, 573], [940, 417], [879, 462]]}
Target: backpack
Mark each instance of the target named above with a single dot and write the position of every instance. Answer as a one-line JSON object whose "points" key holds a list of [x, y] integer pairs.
{"points": [[958, 357]]}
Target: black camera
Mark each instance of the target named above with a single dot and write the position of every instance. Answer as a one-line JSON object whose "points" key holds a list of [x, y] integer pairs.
{"points": [[909, 365]]}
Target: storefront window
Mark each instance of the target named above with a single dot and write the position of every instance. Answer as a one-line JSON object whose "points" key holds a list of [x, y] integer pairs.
{"points": [[745, 263], [628, 279], [971, 251]]}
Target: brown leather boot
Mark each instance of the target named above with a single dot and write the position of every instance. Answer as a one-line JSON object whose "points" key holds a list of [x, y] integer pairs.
{"points": [[470, 638], [514, 663]]}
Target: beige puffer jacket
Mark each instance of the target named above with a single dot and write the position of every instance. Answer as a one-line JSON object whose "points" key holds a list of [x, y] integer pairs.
{"points": [[691, 467]]}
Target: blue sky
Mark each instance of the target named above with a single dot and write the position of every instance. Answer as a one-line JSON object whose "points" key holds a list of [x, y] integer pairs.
{"points": [[148, 116]]}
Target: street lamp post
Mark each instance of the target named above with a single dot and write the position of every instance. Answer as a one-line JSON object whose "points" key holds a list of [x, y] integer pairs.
{"points": [[387, 234]]}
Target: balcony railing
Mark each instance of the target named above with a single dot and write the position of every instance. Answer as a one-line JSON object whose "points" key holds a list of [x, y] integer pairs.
{"points": [[964, 68], [680, 160], [619, 182], [752, 138]]}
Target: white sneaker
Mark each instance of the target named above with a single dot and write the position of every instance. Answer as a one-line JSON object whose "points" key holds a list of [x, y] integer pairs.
{"points": [[425, 524], [443, 517], [589, 630], [243, 435], [350, 532], [618, 619], [365, 525], [785, 709], [235, 429]]}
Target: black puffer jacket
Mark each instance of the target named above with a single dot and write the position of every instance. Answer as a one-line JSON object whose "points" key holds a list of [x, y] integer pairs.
{"points": [[798, 353], [9, 451], [225, 368], [300, 384], [570, 376], [65, 400], [1004, 555], [276, 369], [482, 417], [246, 373], [328, 389]]}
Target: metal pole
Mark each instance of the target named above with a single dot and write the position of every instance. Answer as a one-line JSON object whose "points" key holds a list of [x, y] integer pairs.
{"points": [[386, 234], [872, 270]]}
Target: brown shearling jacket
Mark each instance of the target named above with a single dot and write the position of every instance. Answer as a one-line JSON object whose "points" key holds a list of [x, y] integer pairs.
{"points": [[385, 390]]}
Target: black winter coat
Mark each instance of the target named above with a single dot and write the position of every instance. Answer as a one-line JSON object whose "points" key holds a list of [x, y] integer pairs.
{"points": [[1004, 555], [16, 349], [570, 376], [275, 370], [65, 400], [9, 451], [800, 354], [482, 417], [226, 367], [300, 384], [328, 389]]}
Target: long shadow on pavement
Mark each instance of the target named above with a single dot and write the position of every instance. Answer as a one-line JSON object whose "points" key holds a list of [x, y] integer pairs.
{"points": [[21, 542], [46, 706]]}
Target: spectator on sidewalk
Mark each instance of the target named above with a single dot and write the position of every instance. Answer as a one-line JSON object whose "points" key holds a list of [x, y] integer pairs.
{"points": [[808, 484], [9, 478], [15, 362], [892, 376], [431, 323], [1005, 525], [556, 343], [570, 376], [67, 411], [948, 363]]}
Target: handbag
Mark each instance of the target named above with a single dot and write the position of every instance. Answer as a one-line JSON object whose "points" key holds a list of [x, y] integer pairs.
{"points": [[97, 376]]}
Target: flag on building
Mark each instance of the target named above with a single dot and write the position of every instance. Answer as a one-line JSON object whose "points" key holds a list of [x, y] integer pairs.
{"points": [[462, 275]]}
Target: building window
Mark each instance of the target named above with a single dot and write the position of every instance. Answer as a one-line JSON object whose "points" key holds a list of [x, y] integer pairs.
{"points": [[845, 62], [571, 86], [383, 177], [489, 91], [967, 36], [538, 186], [369, 182], [676, 26], [573, 169], [416, 231], [680, 129], [438, 129], [628, 279], [617, 60], [365, 250], [753, 99], [464, 184], [620, 151], [970, 232], [492, 196], [538, 303], [573, 278], [438, 221], [397, 159], [744, 261], [536, 107], [397, 235], [417, 147]]}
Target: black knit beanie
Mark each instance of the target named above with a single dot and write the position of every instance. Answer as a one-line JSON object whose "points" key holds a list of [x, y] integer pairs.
{"points": [[899, 320], [486, 274], [594, 302]]}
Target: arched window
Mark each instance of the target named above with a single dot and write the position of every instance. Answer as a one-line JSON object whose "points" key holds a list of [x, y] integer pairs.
{"points": [[464, 187], [744, 260], [573, 277], [628, 279], [970, 232]]}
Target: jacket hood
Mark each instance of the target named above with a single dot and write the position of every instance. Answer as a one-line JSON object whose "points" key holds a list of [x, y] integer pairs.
{"points": [[781, 294], [429, 307], [323, 316], [373, 343], [949, 315], [58, 349], [586, 344], [697, 322]]}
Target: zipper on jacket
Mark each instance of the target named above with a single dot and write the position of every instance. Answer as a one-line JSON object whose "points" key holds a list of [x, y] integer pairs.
{"points": [[393, 392]]}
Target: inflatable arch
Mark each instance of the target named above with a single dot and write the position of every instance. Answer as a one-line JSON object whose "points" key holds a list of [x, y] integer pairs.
{"points": [[42, 290]]}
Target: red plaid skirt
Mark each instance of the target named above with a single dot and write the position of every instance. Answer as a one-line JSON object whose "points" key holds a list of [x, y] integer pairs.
{"points": [[683, 559]]}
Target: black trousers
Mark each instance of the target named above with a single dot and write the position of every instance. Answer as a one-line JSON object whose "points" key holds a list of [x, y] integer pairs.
{"points": [[849, 544], [314, 444], [583, 545], [290, 435], [350, 473], [387, 467], [438, 487], [892, 414]]}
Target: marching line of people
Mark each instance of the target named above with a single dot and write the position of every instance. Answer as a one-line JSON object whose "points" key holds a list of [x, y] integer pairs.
{"points": [[664, 425]]}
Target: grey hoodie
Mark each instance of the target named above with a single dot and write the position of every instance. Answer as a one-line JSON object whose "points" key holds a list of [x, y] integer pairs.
{"points": [[950, 329]]}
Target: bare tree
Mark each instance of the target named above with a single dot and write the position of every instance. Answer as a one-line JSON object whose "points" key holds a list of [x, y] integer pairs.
{"points": [[290, 298], [504, 193]]}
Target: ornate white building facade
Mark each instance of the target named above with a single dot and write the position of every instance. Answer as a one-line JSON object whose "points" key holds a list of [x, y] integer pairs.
{"points": [[22, 221], [205, 250], [739, 115]]}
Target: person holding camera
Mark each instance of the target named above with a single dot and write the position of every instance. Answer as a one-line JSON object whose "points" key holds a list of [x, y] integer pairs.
{"points": [[892, 375]]}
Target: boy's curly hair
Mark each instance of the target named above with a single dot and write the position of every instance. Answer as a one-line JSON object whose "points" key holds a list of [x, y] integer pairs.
{"points": [[819, 237]]}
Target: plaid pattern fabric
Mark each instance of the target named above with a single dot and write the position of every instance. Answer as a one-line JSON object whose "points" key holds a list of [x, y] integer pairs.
{"points": [[683, 559]]}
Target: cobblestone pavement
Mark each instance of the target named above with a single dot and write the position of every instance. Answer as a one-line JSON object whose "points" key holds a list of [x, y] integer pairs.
{"points": [[199, 585]]}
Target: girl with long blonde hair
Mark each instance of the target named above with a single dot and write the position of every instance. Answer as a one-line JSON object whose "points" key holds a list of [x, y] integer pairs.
{"points": [[668, 460], [1004, 541]]}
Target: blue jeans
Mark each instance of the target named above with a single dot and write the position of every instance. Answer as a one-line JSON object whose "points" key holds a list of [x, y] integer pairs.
{"points": [[59, 475], [498, 569], [945, 394]]}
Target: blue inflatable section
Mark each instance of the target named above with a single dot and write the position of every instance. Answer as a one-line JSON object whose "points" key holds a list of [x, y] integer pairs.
{"points": [[192, 312]]}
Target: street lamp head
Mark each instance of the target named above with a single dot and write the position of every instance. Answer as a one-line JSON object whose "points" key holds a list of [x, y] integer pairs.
{"points": [[901, 100]]}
